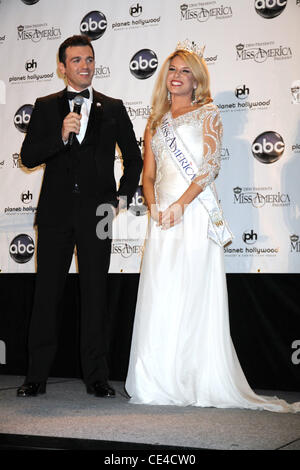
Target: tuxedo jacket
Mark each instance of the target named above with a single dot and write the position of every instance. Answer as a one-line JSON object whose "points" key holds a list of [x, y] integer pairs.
{"points": [[92, 161]]}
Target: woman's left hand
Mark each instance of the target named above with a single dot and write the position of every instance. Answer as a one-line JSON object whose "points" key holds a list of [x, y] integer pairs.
{"points": [[171, 216]]}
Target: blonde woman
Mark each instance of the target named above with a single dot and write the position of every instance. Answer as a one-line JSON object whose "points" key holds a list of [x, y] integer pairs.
{"points": [[181, 352]]}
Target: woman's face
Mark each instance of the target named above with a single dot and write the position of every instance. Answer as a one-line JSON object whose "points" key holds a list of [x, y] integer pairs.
{"points": [[180, 80]]}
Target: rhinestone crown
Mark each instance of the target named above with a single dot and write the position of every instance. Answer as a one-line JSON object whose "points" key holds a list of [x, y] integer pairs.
{"points": [[190, 46]]}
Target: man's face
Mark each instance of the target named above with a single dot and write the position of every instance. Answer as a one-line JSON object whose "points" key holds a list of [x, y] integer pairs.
{"points": [[80, 67]]}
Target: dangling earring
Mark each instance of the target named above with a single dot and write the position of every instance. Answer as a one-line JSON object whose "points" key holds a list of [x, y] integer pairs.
{"points": [[169, 97], [194, 100]]}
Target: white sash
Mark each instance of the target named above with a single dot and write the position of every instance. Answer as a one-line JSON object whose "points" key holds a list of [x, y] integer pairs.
{"points": [[218, 229]]}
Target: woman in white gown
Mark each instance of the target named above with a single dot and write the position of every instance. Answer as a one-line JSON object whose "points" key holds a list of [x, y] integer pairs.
{"points": [[181, 352]]}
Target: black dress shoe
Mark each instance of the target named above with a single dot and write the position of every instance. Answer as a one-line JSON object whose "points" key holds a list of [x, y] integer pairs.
{"points": [[101, 389], [31, 389]]}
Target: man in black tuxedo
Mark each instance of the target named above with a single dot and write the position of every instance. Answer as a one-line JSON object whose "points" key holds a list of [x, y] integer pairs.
{"points": [[78, 178]]}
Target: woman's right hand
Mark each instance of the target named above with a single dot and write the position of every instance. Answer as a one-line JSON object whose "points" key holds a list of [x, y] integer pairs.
{"points": [[155, 214]]}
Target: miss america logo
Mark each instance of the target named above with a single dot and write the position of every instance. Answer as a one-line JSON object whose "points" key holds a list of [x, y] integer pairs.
{"points": [[259, 54], [37, 32], [295, 243], [198, 12]]}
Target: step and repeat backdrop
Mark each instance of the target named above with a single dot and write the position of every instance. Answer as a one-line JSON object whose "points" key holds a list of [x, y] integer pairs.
{"points": [[252, 50]]}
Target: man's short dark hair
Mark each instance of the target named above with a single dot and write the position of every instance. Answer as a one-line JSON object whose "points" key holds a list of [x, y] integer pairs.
{"points": [[78, 40]]}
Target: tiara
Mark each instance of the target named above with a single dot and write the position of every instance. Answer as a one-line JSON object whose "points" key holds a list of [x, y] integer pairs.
{"points": [[190, 47]]}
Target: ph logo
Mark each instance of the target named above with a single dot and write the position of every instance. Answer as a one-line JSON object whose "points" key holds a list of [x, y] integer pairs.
{"points": [[2, 352], [249, 237], [26, 197], [94, 25], [31, 65], [268, 147], [22, 248], [143, 64], [242, 92], [270, 8], [135, 10], [22, 117]]}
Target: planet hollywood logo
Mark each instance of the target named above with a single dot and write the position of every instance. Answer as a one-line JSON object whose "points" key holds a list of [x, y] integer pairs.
{"points": [[257, 199], [21, 248], [199, 12], [143, 64], [135, 11], [30, 66], [295, 243], [269, 8], [138, 205], [251, 251], [259, 52], [26, 197], [125, 249], [211, 60], [38, 32], [22, 117], [21, 210], [136, 109], [94, 25], [249, 237], [268, 147], [242, 93]]}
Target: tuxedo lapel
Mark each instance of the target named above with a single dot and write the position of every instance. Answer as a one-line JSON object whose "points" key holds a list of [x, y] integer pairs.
{"points": [[95, 118], [63, 104]]}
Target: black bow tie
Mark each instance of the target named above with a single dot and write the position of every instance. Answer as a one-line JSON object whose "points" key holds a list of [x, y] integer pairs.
{"points": [[71, 94]]}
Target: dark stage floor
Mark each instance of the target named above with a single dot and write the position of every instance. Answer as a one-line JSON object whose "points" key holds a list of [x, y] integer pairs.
{"points": [[66, 417]]}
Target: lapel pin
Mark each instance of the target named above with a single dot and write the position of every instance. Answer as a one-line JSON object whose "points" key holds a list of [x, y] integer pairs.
{"points": [[98, 104]]}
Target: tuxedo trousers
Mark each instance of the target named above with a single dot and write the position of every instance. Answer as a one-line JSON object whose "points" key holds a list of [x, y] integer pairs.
{"points": [[55, 247]]}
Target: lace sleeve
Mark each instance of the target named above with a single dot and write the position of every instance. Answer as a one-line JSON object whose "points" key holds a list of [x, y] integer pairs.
{"points": [[212, 142]]}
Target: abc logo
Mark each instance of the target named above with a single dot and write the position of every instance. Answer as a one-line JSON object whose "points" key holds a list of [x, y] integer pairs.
{"points": [[268, 147], [137, 205], [22, 248], [93, 25], [143, 64], [30, 2], [22, 117], [270, 8]]}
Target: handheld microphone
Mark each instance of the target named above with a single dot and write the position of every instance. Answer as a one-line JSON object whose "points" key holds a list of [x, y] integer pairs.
{"points": [[78, 100]]}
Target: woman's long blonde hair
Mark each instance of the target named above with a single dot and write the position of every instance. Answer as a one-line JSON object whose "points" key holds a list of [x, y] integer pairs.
{"points": [[160, 103]]}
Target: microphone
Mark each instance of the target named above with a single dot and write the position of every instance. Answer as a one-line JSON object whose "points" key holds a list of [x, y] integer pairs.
{"points": [[78, 100]]}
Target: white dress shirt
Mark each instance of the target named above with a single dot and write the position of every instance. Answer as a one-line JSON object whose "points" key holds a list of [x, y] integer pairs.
{"points": [[85, 111]]}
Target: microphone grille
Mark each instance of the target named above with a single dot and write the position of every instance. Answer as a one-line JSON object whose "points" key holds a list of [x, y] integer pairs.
{"points": [[78, 100]]}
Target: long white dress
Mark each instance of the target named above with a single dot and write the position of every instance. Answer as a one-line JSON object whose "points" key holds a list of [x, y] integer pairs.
{"points": [[182, 353]]}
